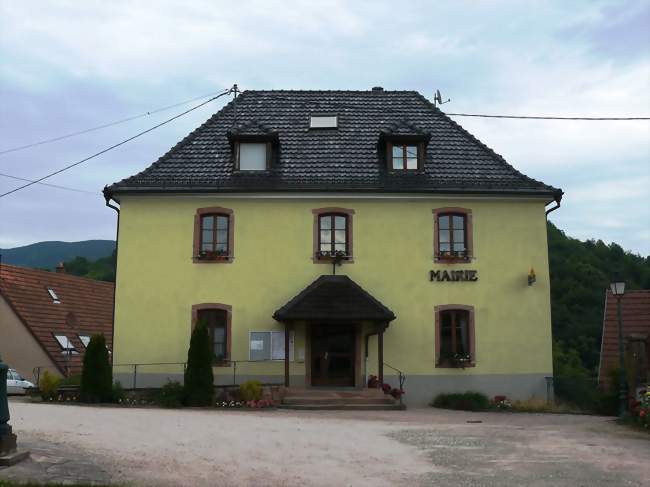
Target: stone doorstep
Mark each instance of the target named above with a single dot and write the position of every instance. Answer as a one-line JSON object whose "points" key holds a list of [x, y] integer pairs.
{"points": [[344, 407], [338, 400], [13, 458], [318, 392]]}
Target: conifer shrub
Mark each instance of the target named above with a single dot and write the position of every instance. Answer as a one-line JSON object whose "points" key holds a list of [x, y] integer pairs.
{"points": [[48, 385], [97, 375], [170, 395], [199, 381], [251, 390]]}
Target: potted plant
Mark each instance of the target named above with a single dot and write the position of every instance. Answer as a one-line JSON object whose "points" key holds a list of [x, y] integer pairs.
{"points": [[373, 382]]}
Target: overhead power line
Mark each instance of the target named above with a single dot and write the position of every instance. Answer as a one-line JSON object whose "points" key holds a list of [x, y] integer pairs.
{"points": [[541, 117], [103, 151], [48, 184], [103, 126]]}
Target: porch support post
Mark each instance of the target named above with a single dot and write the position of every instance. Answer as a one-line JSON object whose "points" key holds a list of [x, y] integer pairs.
{"points": [[380, 355], [286, 354]]}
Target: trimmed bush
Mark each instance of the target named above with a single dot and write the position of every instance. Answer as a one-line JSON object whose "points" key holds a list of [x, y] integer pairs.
{"points": [[48, 385], [465, 401], [119, 396], [251, 390], [171, 395], [97, 375], [199, 381]]}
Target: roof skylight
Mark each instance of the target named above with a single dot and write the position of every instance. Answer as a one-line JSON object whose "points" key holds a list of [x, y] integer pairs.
{"points": [[66, 344], [323, 121], [53, 295], [85, 339]]}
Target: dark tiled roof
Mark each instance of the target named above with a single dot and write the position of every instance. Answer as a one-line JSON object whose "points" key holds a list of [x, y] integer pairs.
{"points": [[85, 308], [342, 159], [635, 314], [334, 299]]}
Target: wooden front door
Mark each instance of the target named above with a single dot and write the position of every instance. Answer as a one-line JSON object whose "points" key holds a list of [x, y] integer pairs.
{"points": [[332, 355]]}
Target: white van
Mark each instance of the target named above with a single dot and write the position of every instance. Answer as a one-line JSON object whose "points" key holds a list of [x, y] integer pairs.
{"points": [[16, 384]]}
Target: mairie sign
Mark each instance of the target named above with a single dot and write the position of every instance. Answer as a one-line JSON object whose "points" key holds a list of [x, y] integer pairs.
{"points": [[440, 276]]}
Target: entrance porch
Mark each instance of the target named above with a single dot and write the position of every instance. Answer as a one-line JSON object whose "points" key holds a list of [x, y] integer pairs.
{"points": [[337, 315]]}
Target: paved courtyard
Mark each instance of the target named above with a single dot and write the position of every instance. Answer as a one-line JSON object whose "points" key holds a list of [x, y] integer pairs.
{"points": [[335, 448]]}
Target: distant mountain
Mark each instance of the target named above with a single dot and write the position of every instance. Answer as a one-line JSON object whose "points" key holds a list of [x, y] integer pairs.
{"points": [[46, 255]]}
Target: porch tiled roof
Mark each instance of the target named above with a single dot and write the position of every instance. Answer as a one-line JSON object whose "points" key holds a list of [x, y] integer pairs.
{"points": [[334, 299]]}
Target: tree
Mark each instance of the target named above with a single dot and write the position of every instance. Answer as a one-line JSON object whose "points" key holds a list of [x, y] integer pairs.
{"points": [[97, 375], [199, 380]]}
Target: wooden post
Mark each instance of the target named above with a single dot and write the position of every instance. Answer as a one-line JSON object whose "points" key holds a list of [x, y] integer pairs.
{"points": [[286, 355], [380, 355]]}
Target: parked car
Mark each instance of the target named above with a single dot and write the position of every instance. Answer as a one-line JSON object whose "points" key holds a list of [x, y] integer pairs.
{"points": [[16, 384]]}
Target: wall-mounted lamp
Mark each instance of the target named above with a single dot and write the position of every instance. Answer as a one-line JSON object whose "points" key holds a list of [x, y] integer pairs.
{"points": [[531, 277]]}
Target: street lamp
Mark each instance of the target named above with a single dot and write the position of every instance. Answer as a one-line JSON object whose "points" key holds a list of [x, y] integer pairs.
{"points": [[617, 287]]}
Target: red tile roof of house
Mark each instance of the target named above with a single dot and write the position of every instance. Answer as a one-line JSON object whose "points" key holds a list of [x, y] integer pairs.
{"points": [[85, 308], [635, 313]]}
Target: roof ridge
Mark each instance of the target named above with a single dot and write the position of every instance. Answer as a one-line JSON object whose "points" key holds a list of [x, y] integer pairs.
{"points": [[56, 275], [330, 91]]}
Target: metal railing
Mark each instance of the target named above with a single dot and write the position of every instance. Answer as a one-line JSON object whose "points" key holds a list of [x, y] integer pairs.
{"points": [[402, 379], [136, 369]]}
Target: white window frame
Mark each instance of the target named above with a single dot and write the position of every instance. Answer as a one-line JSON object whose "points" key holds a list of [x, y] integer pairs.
{"points": [[292, 345], [264, 160], [323, 121], [70, 348], [86, 341], [53, 295]]}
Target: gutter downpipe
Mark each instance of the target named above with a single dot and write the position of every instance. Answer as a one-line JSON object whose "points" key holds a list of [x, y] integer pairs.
{"points": [[108, 196], [558, 198]]}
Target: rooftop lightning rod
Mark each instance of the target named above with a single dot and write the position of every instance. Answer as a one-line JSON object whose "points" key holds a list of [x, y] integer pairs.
{"points": [[437, 99]]}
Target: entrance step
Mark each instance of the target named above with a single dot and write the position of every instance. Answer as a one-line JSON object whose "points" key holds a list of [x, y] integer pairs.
{"points": [[343, 407], [331, 399]]}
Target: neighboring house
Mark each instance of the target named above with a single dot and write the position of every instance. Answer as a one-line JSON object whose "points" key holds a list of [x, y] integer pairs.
{"points": [[47, 319], [369, 225], [635, 316]]}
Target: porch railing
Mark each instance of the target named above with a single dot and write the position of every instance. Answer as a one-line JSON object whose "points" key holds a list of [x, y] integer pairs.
{"points": [[402, 379]]}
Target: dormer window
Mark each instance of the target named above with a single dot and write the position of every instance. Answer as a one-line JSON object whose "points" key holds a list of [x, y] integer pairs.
{"points": [[323, 122], [403, 145], [404, 156], [253, 145], [253, 156]]}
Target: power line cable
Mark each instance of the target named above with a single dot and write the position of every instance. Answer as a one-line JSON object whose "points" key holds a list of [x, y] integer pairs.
{"points": [[103, 126], [50, 185], [534, 117], [103, 151]]}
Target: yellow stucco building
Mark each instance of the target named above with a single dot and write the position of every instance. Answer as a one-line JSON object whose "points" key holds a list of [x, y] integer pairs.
{"points": [[327, 236]]}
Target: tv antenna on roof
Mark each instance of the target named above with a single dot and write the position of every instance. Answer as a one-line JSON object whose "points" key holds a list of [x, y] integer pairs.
{"points": [[437, 99]]}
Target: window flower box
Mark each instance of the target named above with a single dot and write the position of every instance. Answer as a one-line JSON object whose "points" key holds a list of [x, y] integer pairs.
{"points": [[456, 360], [335, 257], [453, 256], [213, 255]]}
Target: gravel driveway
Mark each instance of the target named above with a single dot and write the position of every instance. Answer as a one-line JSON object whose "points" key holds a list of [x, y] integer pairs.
{"points": [[334, 448]]}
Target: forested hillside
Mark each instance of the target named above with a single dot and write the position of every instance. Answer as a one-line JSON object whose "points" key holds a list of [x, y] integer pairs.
{"points": [[101, 269], [580, 274], [46, 255]]}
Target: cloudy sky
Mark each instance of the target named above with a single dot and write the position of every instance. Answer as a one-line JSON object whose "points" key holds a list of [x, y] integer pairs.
{"points": [[68, 65]]}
